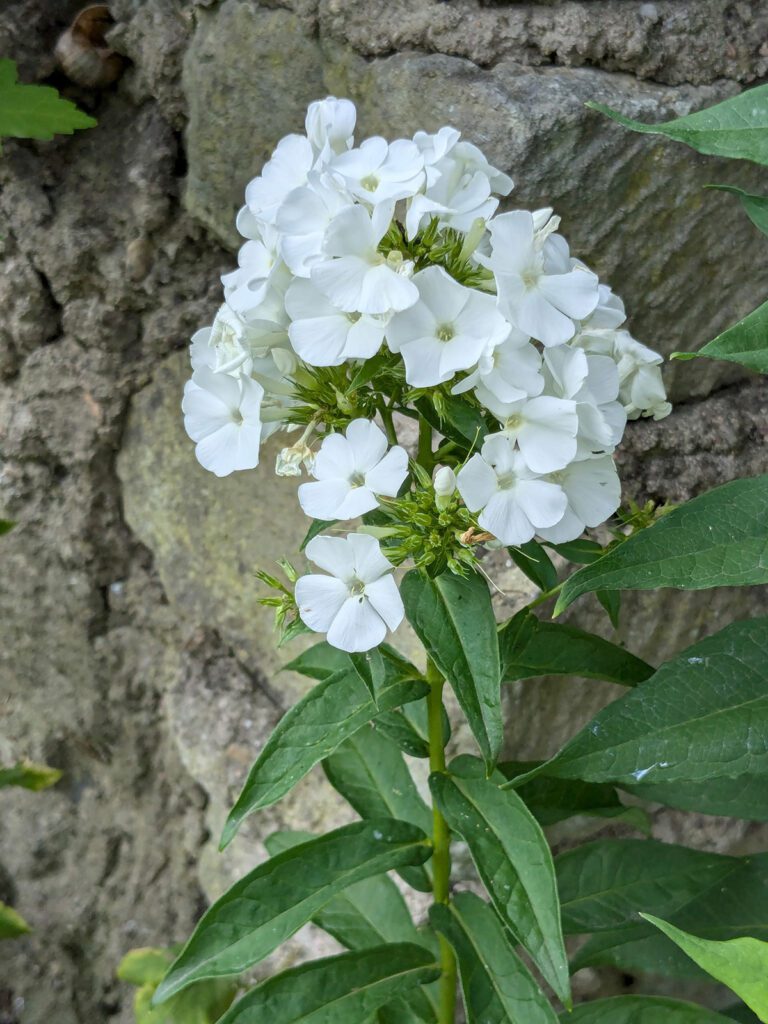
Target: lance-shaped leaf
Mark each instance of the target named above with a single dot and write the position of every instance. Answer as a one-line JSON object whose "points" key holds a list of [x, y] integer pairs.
{"points": [[321, 660], [453, 618], [604, 884], [368, 913], [274, 900], [369, 772], [745, 343], [702, 716], [29, 775], [554, 800], [743, 796], [497, 986], [737, 127], [513, 860], [641, 1010], [35, 111], [334, 710], [533, 560], [741, 964], [715, 540], [12, 924], [530, 647], [345, 989]]}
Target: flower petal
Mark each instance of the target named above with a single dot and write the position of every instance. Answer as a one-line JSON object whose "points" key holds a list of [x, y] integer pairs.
{"points": [[357, 626], [385, 598], [322, 499], [476, 482], [320, 598], [504, 518], [388, 475], [334, 554], [368, 444], [370, 561]]}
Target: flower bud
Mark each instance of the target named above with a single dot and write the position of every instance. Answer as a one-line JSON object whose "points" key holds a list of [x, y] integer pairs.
{"points": [[445, 485]]}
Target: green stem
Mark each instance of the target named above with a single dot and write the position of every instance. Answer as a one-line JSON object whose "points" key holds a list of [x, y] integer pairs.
{"points": [[425, 457], [545, 595], [389, 426], [441, 842]]}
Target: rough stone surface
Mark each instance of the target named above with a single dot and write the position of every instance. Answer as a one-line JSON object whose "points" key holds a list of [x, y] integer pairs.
{"points": [[133, 654]]}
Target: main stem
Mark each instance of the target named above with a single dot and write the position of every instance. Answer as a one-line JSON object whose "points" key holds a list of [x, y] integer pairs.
{"points": [[441, 853]]}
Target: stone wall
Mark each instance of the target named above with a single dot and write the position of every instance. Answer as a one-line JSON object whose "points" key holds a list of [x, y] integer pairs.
{"points": [[133, 654]]}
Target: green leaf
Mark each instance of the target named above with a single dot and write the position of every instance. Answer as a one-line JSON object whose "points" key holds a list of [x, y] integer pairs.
{"points": [[407, 728], [755, 207], [744, 796], [530, 647], [741, 964], [513, 860], [611, 603], [144, 966], [554, 800], [641, 1010], [581, 551], [740, 1012], [345, 989], [321, 660], [533, 560], [462, 423], [715, 540], [497, 986], [317, 527], [368, 913], [736, 128], [6, 526], [369, 665], [453, 617], [745, 343], [369, 772], [202, 1003], [331, 712], [274, 900], [701, 716], [29, 775], [35, 111], [12, 924], [604, 884]]}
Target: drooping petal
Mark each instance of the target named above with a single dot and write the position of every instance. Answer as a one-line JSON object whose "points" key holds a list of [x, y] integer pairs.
{"points": [[370, 561], [357, 626], [385, 598], [334, 554], [367, 443], [383, 290], [547, 436], [388, 475], [536, 315], [543, 503], [320, 341], [504, 518], [422, 362], [476, 482], [357, 502], [319, 599]]}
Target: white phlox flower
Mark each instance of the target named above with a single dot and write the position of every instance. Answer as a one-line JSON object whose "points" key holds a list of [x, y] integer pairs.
{"points": [[544, 427], [515, 502], [323, 335], [593, 490], [447, 330], [258, 265], [509, 371], [592, 382], [222, 414], [358, 601], [538, 289], [350, 470], [237, 342], [641, 385], [461, 185], [286, 170], [355, 276], [201, 352], [304, 217], [379, 171], [330, 126]]}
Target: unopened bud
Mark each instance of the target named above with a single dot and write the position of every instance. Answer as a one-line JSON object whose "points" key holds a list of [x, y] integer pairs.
{"points": [[445, 485]]}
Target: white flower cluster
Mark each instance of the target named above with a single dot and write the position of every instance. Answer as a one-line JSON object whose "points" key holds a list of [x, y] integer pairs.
{"points": [[336, 268]]}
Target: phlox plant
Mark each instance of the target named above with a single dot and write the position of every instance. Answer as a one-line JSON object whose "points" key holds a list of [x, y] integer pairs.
{"points": [[380, 296]]}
